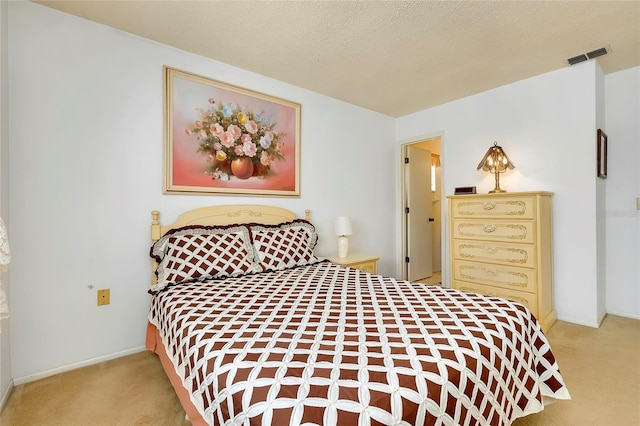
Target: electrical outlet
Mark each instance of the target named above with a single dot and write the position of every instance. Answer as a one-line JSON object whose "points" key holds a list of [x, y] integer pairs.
{"points": [[104, 296]]}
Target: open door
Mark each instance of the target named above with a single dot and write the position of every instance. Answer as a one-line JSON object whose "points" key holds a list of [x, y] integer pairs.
{"points": [[418, 251]]}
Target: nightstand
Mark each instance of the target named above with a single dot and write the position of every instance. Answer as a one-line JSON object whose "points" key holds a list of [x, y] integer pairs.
{"points": [[358, 261]]}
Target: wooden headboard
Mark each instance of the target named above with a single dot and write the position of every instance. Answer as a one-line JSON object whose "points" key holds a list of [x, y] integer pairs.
{"points": [[222, 215]]}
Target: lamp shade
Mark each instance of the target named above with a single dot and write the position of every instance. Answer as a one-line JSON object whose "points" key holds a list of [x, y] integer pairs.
{"points": [[343, 225], [495, 161]]}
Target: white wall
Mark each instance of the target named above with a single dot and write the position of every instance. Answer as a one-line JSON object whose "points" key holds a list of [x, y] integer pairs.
{"points": [[5, 342], [601, 199], [622, 188], [547, 126], [86, 139]]}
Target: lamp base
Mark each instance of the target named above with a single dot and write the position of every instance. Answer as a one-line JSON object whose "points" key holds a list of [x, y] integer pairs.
{"points": [[497, 189], [343, 246]]}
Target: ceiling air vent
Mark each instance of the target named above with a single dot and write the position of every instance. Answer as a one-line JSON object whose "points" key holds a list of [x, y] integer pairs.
{"points": [[597, 52], [577, 59], [586, 56]]}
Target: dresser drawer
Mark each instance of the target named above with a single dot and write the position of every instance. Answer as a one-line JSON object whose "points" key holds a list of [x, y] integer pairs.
{"points": [[493, 252], [494, 230], [527, 299], [502, 207], [506, 277]]}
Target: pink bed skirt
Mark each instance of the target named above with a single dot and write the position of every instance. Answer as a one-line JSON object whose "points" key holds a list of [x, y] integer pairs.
{"points": [[154, 343]]}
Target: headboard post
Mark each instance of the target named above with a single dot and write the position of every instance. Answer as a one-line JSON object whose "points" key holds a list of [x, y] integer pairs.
{"points": [[155, 225], [155, 236]]}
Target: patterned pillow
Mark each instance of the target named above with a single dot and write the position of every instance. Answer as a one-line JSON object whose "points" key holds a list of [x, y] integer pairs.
{"points": [[199, 253], [286, 245]]}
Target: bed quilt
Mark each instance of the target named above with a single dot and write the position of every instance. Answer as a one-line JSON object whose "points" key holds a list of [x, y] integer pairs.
{"points": [[329, 345]]}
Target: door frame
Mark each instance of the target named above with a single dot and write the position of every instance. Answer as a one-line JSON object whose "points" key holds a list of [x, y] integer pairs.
{"points": [[402, 226]]}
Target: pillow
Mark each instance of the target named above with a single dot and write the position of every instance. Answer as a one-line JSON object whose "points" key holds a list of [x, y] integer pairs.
{"points": [[285, 245], [199, 253]]}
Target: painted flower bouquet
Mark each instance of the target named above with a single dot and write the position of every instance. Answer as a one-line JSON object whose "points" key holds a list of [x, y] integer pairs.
{"points": [[237, 142]]}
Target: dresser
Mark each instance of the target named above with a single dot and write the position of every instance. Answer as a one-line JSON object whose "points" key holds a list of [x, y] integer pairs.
{"points": [[362, 262], [501, 245]]}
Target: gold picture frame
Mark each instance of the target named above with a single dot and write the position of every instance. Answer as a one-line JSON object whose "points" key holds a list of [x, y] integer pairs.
{"points": [[225, 139]]}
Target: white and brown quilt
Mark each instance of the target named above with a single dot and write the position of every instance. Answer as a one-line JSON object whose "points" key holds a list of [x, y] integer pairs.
{"points": [[328, 345]]}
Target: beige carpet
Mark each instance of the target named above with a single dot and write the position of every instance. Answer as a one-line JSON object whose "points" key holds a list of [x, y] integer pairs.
{"points": [[601, 368], [132, 390], [435, 279]]}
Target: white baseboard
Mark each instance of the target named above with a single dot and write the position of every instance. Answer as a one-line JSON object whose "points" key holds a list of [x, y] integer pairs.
{"points": [[599, 323], [579, 322], [30, 378], [5, 395], [624, 314]]}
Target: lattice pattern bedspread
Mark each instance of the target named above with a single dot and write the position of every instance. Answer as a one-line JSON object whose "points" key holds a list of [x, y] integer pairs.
{"points": [[329, 345]]}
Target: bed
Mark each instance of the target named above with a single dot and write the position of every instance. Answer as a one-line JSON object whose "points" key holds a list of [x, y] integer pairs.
{"points": [[253, 328]]}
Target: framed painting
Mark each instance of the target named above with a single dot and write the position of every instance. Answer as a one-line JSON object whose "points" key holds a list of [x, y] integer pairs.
{"points": [[225, 139], [601, 144]]}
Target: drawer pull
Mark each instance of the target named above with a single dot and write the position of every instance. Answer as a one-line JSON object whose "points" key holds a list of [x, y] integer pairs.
{"points": [[489, 228], [493, 273], [489, 205], [491, 250]]}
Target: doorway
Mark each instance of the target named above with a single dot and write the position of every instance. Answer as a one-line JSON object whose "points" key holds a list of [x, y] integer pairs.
{"points": [[422, 211]]}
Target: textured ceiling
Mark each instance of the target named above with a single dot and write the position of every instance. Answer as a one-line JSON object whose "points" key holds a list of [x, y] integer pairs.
{"points": [[394, 57]]}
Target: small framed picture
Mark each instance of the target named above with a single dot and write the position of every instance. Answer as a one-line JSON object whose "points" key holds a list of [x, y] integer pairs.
{"points": [[602, 154]]}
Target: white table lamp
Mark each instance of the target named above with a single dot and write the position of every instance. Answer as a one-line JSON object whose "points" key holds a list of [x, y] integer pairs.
{"points": [[343, 229]]}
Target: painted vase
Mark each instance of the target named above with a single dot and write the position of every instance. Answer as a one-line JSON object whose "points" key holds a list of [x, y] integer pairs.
{"points": [[242, 168]]}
